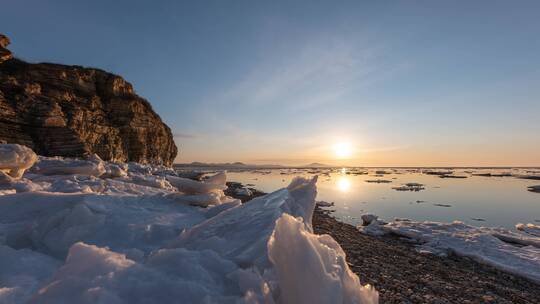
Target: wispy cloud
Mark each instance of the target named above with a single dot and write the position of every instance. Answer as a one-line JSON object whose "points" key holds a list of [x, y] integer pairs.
{"points": [[315, 73]]}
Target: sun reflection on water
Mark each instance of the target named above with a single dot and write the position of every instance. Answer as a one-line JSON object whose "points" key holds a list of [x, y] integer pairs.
{"points": [[343, 184]]}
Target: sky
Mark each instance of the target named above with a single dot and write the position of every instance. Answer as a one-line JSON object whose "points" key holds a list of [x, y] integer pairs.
{"points": [[364, 83]]}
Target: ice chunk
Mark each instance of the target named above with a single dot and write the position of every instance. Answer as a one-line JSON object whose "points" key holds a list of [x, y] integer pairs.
{"points": [[410, 187], [368, 218], [19, 185], [115, 170], [302, 202], [93, 166], [15, 159], [247, 233], [371, 225], [188, 186], [148, 180], [242, 235], [312, 268], [217, 179], [378, 181], [88, 272]]}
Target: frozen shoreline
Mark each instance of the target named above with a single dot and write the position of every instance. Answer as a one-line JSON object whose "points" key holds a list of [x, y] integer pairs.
{"points": [[513, 252], [386, 262], [86, 231], [401, 273]]}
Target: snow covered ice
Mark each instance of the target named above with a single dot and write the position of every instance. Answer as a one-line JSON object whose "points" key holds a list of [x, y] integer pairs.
{"points": [[90, 231], [513, 252]]}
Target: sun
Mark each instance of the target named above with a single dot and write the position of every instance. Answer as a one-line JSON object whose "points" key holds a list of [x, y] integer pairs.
{"points": [[342, 149]]}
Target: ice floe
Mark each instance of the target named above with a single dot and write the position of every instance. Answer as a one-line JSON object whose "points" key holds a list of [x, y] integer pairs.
{"points": [[410, 187], [378, 181], [534, 188]]}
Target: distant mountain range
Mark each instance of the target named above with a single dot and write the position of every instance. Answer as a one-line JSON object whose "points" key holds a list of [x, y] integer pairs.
{"points": [[240, 165]]}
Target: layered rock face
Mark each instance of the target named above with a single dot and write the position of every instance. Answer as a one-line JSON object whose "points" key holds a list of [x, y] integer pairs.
{"points": [[60, 110]]}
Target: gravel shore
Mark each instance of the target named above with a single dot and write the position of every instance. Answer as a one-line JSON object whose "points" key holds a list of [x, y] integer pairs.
{"points": [[403, 275]]}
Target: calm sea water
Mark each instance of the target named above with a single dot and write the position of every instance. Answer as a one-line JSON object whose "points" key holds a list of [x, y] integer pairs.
{"points": [[476, 200]]}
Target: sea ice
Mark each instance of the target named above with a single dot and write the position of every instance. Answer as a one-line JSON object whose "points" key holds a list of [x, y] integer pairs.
{"points": [[410, 187], [189, 186], [93, 166], [534, 188], [314, 270], [503, 249], [89, 231], [368, 218]]}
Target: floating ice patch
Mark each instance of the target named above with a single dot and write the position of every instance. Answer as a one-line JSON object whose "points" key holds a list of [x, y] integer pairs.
{"points": [[378, 181], [410, 187], [534, 189]]}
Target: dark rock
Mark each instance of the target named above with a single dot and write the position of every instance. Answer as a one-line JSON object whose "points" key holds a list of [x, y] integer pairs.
{"points": [[452, 176], [232, 188], [5, 54], [4, 41], [60, 110]]}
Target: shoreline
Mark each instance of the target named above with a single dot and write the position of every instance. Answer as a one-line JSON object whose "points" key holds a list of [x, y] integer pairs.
{"points": [[403, 275]]}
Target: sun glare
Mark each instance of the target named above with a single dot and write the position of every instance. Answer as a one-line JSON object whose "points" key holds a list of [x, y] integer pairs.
{"points": [[343, 184], [342, 150]]}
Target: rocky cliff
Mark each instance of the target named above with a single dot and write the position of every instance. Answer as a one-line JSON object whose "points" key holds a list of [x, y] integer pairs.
{"points": [[60, 110]]}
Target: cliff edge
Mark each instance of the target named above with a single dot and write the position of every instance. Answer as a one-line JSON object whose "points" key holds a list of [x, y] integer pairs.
{"points": [[61, 110]]}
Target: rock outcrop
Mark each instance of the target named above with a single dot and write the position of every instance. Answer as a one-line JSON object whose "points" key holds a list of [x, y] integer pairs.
{"points": [[60, 110], [5, 54]]}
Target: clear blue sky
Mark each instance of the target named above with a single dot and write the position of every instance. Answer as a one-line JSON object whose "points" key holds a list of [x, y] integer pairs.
{"points": [[400, 82]]}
